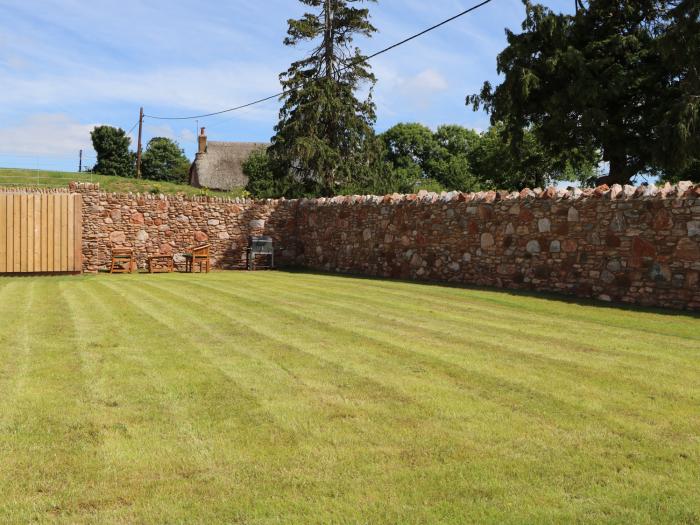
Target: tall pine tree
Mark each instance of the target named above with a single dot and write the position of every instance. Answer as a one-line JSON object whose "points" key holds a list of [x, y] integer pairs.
{"points": [[325, 137]]}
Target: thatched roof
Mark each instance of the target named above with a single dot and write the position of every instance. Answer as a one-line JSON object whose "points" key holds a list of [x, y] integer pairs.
{"points": [[221, 166]]}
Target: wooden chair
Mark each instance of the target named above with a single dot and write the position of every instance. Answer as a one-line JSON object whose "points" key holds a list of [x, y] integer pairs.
{"points": [[123, 260], [199, 254]]}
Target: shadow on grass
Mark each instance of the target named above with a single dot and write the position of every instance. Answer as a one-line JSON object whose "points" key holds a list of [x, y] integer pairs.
{"points": [[551, 296]]}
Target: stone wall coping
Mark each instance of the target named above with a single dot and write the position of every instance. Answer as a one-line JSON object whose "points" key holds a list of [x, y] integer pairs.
{"points": [[682, 190], [31, 189], [89, 187]]}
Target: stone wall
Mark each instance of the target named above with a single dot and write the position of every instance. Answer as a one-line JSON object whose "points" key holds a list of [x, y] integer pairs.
{"points": [[158, 224], [634, 245]]}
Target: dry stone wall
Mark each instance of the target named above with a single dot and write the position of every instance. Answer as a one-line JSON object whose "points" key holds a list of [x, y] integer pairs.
{"points": [[633, 245], [158, 224]]}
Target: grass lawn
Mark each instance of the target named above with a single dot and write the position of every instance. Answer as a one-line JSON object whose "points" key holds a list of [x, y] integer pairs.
{"points": [[301, 398], [60, 179]]}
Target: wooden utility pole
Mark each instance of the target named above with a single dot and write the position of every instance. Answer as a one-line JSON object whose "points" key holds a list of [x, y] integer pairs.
{"points": [[138, 149], [80, 162]]}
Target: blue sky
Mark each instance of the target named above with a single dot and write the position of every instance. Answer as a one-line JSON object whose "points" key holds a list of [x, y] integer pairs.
{"points": [[68, 65]]}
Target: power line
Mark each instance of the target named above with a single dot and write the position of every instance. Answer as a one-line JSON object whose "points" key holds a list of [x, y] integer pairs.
{"points": [[365, 59], [132, 129]]}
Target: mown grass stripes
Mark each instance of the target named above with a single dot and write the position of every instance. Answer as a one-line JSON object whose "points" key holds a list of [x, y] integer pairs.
{"points": [[290, 397]]}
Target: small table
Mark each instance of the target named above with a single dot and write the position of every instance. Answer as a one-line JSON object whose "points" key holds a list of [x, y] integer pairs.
{"points": [[160, 264]]}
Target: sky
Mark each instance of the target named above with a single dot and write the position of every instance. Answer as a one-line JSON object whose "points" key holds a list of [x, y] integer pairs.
{"points": [[68, 65]]}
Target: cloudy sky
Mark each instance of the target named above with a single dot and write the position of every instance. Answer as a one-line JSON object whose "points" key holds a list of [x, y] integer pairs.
{"points": [[67, 65]]}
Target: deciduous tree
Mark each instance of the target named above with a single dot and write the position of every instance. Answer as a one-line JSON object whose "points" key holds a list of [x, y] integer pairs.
{"points": [[165, 160]]}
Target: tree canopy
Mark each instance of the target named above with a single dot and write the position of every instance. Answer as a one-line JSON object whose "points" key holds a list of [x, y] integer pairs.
{"points": [[324, 138], [410, 157], [602, 82], [112, 148], [165, 160]]}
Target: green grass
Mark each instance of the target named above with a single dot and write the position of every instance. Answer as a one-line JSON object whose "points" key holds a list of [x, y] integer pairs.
{"points": [[59, 179], [301, 398]]}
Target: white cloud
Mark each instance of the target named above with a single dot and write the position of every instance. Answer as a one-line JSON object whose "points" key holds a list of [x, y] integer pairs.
{"points": [[426, 82], [162, 130], [189, 89], [46, 135], [187, 135], [396, 92]]}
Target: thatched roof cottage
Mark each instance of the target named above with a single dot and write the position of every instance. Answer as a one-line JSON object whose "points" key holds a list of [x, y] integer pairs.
{"points": [[219, 165]]}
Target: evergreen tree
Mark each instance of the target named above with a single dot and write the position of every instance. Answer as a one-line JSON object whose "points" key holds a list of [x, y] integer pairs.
{"points": [[678, 126], [596, 81], [112, 148], [325, 133]]}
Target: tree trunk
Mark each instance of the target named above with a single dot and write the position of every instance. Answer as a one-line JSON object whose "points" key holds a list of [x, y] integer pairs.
{"points": [[328, 39], [329, 44], [620, 172]]}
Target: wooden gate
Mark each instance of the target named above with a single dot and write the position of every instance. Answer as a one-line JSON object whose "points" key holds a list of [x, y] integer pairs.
{"points": [[40, 232]]}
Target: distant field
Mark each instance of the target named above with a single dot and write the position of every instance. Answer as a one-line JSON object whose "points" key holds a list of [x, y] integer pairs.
{"points": [[264, 398], [60, 179]]}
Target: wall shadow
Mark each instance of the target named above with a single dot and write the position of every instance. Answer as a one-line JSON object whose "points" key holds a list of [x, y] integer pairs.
{"points": [[551, 296]]}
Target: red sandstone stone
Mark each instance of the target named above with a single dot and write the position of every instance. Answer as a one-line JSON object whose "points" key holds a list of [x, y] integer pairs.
{"points": [[549, 193], [642, 248], [569, 245], [612, 241], [485, 212], [601, 190], [525, 216], [662, 220], [687, 250]]}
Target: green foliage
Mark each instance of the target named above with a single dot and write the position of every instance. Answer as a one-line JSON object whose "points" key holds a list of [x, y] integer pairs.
{"points": [[324, 136], [602, 80], [424, 159], [410, 157], [690, 172], [679, 120], [456, 158], [501, 163], [165, 160], [262, 182], [113, 155]]}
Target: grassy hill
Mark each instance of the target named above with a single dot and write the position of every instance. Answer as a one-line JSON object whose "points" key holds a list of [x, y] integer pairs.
{"points": [[60, 179]]}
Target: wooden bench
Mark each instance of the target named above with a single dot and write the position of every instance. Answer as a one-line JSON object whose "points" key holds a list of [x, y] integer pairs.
{"points": [[199, 254]]}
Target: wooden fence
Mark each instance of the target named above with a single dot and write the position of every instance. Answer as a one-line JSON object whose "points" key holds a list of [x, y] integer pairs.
{"points": [[40, 232]]}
